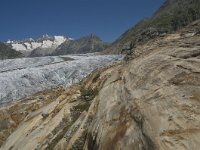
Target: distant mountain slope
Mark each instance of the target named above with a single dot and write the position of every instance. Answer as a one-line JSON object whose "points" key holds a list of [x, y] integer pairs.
{"points": [[49, 46], [39, 47], [7, 53], [172, 15], [87, 44], [58, 45]]}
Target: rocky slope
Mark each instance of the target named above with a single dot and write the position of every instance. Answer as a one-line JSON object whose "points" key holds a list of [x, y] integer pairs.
{"points": [[40, 47], [172, 15], [8, 53], [87, 44], [149, 102]]}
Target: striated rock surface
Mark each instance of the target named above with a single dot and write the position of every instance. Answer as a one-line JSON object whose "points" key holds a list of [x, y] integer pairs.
{"points": [[149, 102]]}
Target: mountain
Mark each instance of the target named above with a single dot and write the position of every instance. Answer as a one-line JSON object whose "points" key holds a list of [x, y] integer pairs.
{"points": [[39, 47], [87, 44], [8, 53], [58, 45], [172, 15], [49, 45]]}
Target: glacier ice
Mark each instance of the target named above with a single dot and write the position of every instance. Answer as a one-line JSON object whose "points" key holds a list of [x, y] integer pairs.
{"points": [[23, 77]]}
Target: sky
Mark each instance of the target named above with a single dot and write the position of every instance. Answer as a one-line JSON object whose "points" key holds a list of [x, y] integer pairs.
{"points": [[20, 19]]}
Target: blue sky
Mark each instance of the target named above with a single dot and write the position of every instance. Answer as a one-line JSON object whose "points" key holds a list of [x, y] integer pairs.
{"points": [[75, 18]]}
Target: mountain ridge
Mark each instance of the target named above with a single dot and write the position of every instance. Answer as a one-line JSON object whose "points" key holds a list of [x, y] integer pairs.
{"points": [[8, 53], [87, 44], [171, 16], [58, 45], [42, 44]]}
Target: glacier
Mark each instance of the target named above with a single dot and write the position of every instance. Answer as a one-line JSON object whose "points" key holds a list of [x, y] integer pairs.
{"points": [[25, 76]]}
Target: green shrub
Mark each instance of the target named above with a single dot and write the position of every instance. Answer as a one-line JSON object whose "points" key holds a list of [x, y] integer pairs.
{"points": [[88, 94]]}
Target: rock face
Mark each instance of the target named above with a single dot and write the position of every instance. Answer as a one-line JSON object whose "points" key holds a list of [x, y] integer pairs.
{"points": [[149, 102], [172, 15], [87, 44]]}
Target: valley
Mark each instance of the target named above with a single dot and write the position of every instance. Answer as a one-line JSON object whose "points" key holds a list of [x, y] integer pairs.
{"points": [[150, 101]]}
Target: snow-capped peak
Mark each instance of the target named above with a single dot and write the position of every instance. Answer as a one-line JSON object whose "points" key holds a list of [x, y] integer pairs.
{"points": [[59, 39], [44, 42], [9, 41]]}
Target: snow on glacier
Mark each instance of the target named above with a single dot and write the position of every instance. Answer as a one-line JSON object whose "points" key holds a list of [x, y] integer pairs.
{"points": [[26, 76]]}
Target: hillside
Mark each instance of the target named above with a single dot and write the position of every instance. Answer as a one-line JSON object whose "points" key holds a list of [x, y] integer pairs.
{"points": [[87, 44], [49, 45], [8, 53], [172, 15], [151, 102]]}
